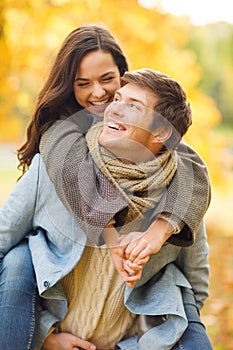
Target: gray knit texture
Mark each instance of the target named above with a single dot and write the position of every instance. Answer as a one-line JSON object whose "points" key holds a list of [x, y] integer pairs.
{"points": [[93, 200]]}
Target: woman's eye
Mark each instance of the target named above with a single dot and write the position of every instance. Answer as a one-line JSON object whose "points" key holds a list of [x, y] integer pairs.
{"points": [[106, 80], [83, 84]]}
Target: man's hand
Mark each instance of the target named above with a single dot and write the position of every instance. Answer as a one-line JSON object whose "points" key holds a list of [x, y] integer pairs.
{"points": [[66, 341], [130, 273]]}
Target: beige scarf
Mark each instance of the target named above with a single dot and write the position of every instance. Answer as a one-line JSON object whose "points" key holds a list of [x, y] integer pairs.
{"points": [[141, 185]]}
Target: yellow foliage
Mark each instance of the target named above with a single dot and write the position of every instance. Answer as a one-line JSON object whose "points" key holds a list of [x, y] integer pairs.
{"points": [[34, 29], [9, 130]]}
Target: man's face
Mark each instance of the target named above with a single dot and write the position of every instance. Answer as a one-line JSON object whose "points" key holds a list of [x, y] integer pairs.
{"points": [[128, 122]]}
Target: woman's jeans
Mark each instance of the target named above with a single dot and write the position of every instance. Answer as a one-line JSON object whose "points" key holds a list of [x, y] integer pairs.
{"points": [[195, 336], [18, 300]]}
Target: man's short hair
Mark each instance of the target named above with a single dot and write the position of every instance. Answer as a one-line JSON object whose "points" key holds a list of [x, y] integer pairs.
{"points": [[172, 107]]}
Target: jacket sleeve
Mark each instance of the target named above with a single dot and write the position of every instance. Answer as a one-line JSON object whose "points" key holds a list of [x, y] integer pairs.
{"points": [[188, 195], [193, 262], [82, 188], [46, 321], [16, 214]]}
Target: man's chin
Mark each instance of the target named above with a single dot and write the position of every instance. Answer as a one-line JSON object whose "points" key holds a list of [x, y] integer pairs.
{"points": [[106, 141]]}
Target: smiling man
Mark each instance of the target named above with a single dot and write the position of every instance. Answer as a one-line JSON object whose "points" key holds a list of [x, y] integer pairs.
{"points": [[85, 302], [129, 124], [135, 149], [145, 115]]}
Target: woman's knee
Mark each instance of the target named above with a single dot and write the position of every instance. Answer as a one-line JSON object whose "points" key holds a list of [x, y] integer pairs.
{"points": [[16, 266]]}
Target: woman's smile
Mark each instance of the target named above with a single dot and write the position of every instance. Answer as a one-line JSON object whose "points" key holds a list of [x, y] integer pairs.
{"points": [[96, 81]]}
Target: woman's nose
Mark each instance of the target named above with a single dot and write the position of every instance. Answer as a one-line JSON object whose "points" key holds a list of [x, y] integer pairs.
{"points": [[98, 91]]}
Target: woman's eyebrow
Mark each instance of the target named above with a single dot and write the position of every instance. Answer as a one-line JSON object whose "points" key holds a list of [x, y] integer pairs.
{"points": [[107, 73], [83, 79]]}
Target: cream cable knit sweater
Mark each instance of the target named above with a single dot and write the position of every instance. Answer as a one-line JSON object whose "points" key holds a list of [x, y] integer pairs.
{"points": [[94, 292]]}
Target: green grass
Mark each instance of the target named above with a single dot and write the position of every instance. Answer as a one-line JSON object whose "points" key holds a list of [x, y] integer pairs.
{"points": [[225, 131]]}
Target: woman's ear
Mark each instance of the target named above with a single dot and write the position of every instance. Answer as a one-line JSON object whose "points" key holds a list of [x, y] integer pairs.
{"points": [[161, 135]]}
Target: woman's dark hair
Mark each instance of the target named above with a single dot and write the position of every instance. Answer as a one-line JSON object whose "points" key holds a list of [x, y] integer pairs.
{"points": [[56, 97]]}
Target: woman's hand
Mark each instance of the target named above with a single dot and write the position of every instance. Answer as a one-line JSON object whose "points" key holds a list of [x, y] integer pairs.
{"points": [[118, 260], [66, 341], [138, 246]]}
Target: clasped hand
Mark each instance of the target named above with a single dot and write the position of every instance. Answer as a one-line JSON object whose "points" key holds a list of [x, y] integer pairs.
{"points": [[132, 251]]}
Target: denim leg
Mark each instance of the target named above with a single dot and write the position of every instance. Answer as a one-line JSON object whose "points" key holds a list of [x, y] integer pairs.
{"points": [[18, 300], [195, 336]]}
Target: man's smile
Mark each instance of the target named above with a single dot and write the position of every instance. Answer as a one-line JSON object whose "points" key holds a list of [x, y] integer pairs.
{"points": [[115, 126]]}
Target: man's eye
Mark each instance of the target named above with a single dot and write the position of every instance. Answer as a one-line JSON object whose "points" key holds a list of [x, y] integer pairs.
{"points": [[116, 99], [133, 106]]}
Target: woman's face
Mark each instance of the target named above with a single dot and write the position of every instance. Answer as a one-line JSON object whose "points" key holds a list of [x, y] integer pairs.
{"points": [[96, 81]]}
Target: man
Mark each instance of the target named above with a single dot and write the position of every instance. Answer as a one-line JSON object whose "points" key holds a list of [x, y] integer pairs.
{"points": [[71, 271], [134, 104], [136, 134]]}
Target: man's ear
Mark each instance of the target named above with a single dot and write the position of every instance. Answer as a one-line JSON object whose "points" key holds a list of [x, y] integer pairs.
{"points": [[161, 135]]}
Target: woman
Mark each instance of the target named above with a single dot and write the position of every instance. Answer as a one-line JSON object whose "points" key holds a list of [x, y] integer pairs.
{"points": [[61, 96], [85, 74], [56, 99]]}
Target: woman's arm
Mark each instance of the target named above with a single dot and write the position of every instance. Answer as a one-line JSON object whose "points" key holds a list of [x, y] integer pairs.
{"points": [[82, 188], [16, 214], [187, 198], [93, 201]]}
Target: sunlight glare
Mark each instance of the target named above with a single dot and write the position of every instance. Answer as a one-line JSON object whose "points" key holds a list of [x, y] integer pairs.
{"points": [[200, 12]]}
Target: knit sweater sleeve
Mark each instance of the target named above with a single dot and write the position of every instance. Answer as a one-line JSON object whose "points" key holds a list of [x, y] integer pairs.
{"points": [[187, 197], [93, 200], [82, 188]]}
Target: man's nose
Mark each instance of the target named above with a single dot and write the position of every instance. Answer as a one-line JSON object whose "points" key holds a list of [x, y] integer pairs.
{"points": [[98, 90], [117, 109]]}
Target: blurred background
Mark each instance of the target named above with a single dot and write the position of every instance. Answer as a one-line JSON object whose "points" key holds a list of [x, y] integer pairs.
{"points": [[194, 47]]}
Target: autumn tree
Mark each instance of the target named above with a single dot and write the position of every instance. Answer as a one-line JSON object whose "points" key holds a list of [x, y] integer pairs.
{"points": [[32, 30]]}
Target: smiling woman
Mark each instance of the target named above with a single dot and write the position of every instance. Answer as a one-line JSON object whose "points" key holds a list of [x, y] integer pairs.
{"points": [[79, 67], [56, 100], [95, 84]]}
